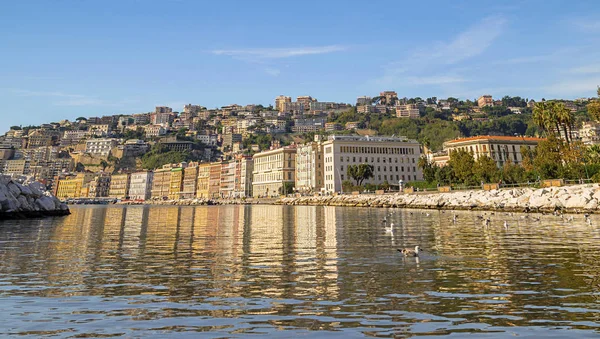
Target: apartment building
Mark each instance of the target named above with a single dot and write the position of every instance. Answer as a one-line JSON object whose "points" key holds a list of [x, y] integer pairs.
{"points": [[308, 125], [100, 147], [407, 111], [273, 171], [393, 159], [161, 182], [176, 183], [485, 100], [154, 130], [280, 102], [590, 133], [203, 180], [214, 180], [119, 186], [190, 181], [99, 186], [243, 176], [21, 166], [500, 148], [140, 185], [309, 167], [74, 187]]}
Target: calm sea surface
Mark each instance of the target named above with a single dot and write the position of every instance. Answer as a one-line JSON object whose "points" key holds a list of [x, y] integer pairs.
{"points": [[282, 271]]}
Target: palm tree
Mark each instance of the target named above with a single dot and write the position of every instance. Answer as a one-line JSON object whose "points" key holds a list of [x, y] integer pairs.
{"points": [[540, 115], [564, 117]]}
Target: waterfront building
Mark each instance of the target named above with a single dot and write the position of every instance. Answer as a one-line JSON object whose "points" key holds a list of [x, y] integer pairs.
{"points": [[161, 182], [99, 186], [393, 159], [203, 180], [227, 183], [140, 185], [500, 148], [176, 182], [309, 167], [119, 186], [190, 181], [243, 176], [214, 180], [74, 187], [274, 171]]}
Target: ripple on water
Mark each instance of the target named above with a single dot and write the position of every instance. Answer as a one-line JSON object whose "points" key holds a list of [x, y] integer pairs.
{"points": [[282, 271]]}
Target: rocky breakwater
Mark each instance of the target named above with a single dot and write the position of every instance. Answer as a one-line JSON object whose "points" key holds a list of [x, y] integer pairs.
{"points": [[570, 199], [28, 200]]}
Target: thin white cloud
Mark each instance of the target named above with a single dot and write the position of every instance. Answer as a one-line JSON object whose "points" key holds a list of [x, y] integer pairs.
{"points": [[278, 53], [424, 65], [468, 44], [587, 69]]}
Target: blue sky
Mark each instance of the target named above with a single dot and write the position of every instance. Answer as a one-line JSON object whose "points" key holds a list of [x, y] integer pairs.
{"points": [[63, 59]]}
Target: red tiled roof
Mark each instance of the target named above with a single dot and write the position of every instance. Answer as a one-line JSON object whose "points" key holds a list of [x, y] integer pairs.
{"points": [[495, 137]]}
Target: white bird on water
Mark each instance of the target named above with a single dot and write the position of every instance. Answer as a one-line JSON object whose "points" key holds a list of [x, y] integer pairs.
{"points": [[410, 252], [505, 224], [390, 229]]}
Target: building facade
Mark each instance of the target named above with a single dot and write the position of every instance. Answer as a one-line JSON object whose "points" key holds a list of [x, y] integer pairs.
{"points": [[500, 148], [190, 181], [119, 186], [100, 147], [407, 111], [203, 180], [161, 182], [140, 185], [485, 100], [309, 167], [274, 170], [393, 159], [74, 187], [99, 186]]}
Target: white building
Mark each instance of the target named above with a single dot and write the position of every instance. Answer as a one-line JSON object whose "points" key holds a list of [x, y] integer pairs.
{"points": [[100, 147], [140, 185], [309, 167], [590, 133], [155, 130], [393, 159]]}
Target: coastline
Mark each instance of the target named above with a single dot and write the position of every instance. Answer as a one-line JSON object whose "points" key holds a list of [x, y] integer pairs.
{"points": [[567, 199]]}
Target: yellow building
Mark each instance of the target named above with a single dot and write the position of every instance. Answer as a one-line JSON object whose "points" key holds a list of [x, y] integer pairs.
{"points": [[500, 148], [176, 183], [203, 180], [485, 100], [161, 182], [73, 187], [190, 178], [273, 170], [119, 186]]}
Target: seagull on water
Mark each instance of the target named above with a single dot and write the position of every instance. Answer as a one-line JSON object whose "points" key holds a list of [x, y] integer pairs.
{"points": [[410, 252], [390, 229]]}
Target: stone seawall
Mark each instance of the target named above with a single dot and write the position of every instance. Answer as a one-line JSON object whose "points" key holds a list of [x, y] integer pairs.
{"points": [[28, 201], [570, 199], [201, 202]]}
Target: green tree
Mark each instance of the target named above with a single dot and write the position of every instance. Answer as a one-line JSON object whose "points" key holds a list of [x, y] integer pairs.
{"points": [[548, 160], [429, 169], [360, 172], [485, 169], [79, 167], [462, 164]]}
